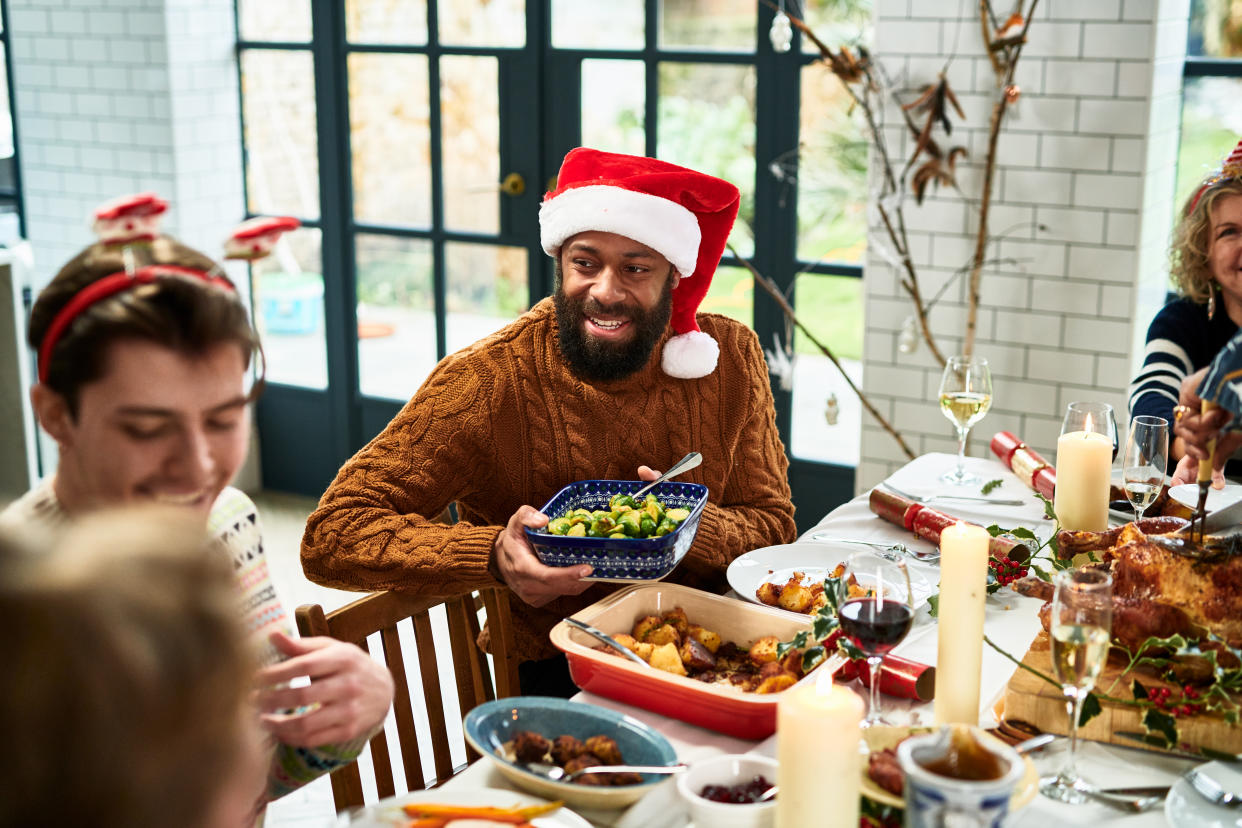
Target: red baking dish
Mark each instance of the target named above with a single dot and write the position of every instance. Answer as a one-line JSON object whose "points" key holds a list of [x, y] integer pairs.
{"points": [[713, 706]]}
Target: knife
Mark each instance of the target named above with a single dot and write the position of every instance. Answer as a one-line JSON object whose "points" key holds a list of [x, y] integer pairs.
{"points": [[1201, 754], [1205, 480]]}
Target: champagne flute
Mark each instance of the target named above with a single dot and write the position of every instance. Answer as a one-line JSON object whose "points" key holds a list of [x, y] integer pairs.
{"points": [[965, 396], [875, 613], [1082, 620], [1143, 464]]}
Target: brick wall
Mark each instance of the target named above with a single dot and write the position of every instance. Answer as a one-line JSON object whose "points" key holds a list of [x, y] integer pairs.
{"points": [[118, 96], [1082, 203]]}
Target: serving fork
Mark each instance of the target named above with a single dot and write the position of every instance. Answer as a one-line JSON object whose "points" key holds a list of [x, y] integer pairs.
{"points": [[930, 498], [1210, 789]]}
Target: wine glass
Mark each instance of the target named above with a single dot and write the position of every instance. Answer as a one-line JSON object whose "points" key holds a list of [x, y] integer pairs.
{"points": [[1082, 620], [875, 612], [1143, 464], [965, 396]]}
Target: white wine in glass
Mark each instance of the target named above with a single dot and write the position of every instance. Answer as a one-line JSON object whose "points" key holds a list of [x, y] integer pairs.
{"points": [[1082, 621], [1143, 464], [965, 397]]}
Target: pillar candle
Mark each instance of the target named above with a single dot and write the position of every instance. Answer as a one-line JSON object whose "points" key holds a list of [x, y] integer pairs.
{"points": [[1084, 463], [963, 591], [817, 746]]}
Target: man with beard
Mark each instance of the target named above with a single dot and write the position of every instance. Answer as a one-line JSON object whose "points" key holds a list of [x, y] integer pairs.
{"points": [[613, 371]]}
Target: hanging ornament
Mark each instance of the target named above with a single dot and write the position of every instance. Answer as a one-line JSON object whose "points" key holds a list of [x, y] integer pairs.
{"points": [[780, 363], [908, 339], [832, 410], [781, 32]]}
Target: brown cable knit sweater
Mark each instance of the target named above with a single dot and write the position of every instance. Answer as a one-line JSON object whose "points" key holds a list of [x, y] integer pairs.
{"points": [[504, 423]]}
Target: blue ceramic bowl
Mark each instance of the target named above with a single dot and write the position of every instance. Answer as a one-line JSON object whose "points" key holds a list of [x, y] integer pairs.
{"points": [[617, 559], [492, 725]]}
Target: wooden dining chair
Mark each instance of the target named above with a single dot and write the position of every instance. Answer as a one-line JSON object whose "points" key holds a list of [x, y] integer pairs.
{"points": [[476, 682]]}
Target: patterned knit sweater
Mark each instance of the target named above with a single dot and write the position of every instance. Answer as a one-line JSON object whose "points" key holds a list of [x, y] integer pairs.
{"points": [[504, 423], [234, 520]]}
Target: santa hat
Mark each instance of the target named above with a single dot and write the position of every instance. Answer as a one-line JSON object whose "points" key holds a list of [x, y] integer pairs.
{"points": [[683, 215], [1230, 169]]}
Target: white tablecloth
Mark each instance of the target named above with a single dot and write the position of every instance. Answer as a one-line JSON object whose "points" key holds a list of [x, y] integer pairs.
{"points": [[1010, 621]]}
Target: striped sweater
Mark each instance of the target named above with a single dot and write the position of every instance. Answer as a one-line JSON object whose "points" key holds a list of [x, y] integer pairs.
{"points": [[1180, 341]]}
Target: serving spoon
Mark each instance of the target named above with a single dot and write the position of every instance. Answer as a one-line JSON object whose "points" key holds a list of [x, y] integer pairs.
{"points": [[558, 774], [690, 461], [607, 639]]}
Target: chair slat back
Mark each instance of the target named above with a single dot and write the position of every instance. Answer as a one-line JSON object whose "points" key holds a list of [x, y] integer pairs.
{"points": [[380, 613]]}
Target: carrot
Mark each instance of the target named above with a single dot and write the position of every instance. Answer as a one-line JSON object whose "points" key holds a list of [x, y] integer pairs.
{"points": [[428, 822], [430, 812]]}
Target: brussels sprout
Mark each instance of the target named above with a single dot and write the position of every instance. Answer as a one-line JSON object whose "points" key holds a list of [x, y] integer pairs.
{"points": [[602, 526], [578, 530], [654, 509], [598, 513], [630, 524], [646, 526], [579, 516], [666, 527], [618, 535], [559, 526], [677, 515], [619, 500]]}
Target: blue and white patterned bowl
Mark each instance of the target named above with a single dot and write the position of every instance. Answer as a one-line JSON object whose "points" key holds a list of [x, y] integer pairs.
{"points": [[618, 559], [491, 727]]}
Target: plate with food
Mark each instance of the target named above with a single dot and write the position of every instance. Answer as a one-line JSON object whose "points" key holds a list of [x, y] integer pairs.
{"points": [[791, 576], [514, 732], [460, 804], [883, 780]]}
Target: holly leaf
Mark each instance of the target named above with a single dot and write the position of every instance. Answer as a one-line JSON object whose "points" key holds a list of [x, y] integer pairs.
{"points": [[797, 643], [1139, 691], [991, 486], [1090, 709], [811, 657], [1041, 573], [1024, 533], [995, 531], [933, 605], [1161, 725], [850, 649], [1049, 512], [823, 626]]}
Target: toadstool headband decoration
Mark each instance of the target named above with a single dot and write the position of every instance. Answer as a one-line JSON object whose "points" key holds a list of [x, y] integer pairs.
{"points": [[683, 215], [133, 220], [1230, 169]]}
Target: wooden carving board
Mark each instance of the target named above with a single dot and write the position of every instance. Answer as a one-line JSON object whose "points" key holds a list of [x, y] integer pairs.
{"points": [[1029, 698]]}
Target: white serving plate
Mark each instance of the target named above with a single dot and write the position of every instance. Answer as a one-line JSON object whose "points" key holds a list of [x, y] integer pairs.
{"points": [[1187, 494], [816, 560], [388, 814], [1185, 808]]}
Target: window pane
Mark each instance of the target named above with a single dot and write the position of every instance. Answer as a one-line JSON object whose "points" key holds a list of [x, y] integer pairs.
{"points": [[483, 22], [833, 311], [282, 151], [1211, 123], [830, 170], [837, 22], [716, 25], [1215, 29], [283, 20], [288, 294], [470, 143], [707, 123], [390, 139], [487, 289], [576, 24], [396, 315], [613, 100], [733, 294], [386, 21]]}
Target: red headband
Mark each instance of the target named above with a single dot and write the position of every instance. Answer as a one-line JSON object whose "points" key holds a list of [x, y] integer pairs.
{"points": [[109, 286]]}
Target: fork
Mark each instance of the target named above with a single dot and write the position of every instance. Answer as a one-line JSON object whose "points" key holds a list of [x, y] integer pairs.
{"points": [[930, 498], [917, 554], [1210, 789]]}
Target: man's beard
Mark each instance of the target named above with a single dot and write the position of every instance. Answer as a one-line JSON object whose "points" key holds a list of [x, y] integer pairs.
{"points": [[595, 359]]}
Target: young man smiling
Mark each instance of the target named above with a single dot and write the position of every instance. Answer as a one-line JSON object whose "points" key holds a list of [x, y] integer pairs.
{"points": [[612, 371], [144, 356]]}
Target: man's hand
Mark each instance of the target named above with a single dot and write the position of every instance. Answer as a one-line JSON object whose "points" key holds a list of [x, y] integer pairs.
{"points": [[351, 691], [522, 572], [647, 474], [1196, 430]]}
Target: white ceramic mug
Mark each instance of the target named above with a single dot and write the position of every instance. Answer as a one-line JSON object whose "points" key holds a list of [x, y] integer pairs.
{"points": [[935, 801]]}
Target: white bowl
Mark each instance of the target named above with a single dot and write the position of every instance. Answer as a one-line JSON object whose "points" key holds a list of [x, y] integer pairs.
{"points": [[729, 769]]}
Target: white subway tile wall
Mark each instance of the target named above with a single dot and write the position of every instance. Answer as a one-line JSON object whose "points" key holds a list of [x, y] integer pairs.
{"points": [[1081, 205], [120, 96]]}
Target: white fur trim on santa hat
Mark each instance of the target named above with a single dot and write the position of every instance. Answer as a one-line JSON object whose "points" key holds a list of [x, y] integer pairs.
{"points": [[690, 355], [663, 225]]}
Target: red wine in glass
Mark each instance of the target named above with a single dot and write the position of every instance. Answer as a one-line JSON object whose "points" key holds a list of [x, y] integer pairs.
{"points": [[875, 625]]}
